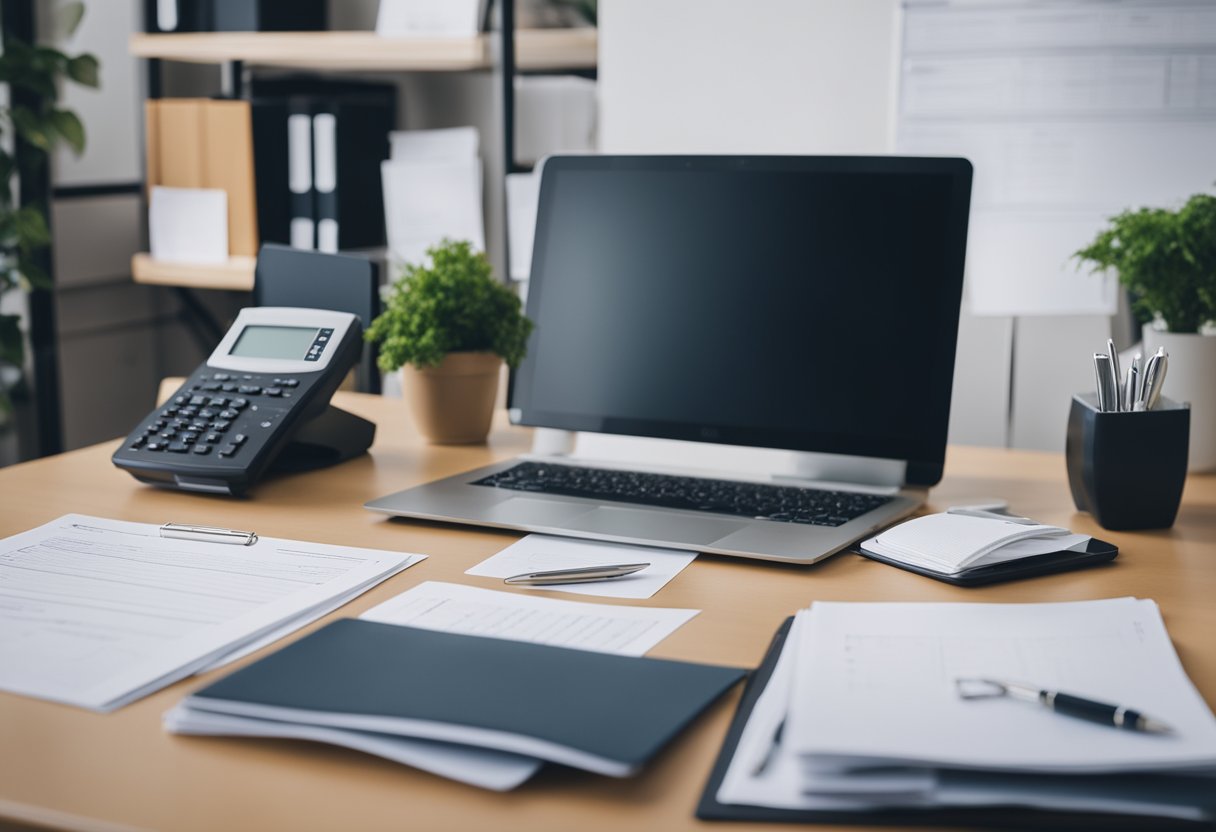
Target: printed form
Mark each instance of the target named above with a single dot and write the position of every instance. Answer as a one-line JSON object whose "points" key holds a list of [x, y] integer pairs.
{"points": [[98, 613], [451, 608]]}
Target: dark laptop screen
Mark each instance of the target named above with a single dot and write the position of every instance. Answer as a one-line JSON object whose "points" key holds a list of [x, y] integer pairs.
{"points": [[808, 303]]}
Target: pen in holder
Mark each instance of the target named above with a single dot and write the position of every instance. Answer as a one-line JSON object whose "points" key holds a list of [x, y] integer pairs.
{"points": [[1127, 469]]}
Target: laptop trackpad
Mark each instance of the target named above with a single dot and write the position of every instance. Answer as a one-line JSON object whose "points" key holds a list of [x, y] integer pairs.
{"points": [[528, 512], [654, 525]]}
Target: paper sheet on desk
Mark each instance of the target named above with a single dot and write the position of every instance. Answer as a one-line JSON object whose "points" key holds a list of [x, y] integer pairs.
{"points": [[484, 767], [98, 613], [882, 676], [452, 608], [542, 553]]}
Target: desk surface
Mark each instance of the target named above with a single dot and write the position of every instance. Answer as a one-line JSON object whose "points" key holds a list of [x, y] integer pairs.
{"points": [[68, 767]]}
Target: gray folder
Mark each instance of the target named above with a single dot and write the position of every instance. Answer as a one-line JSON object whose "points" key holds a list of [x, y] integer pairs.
{"points": [[597, 711]]}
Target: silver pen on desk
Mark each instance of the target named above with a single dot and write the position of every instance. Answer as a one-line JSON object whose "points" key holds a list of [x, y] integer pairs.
{"points": [[582, 575], [208, 534]]}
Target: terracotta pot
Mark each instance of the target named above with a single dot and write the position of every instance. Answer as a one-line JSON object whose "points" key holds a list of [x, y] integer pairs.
{"points": [[1191, 378], [453, 403]]}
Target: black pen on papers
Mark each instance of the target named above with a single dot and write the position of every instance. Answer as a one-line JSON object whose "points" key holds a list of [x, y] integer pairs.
{"points": [[1117, 716]]}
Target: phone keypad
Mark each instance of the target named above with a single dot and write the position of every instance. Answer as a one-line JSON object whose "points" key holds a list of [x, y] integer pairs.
{"points": [[203, 419]]}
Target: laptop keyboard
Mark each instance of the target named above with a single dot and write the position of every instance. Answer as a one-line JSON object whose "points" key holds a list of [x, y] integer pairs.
{"points": [[786, 503]]}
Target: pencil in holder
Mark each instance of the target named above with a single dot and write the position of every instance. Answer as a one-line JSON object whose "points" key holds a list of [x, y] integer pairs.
{"points": [[1125, 468]]}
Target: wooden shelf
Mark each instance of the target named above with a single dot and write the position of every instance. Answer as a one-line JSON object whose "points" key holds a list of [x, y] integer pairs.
{"points": [[235, 275], [536, 49]]}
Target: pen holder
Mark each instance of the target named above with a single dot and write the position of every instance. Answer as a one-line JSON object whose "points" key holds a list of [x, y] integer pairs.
{"points": [[1127, 469]]}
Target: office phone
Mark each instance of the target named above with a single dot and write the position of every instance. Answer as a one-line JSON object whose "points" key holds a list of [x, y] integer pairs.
{"points": [[260, 402]]}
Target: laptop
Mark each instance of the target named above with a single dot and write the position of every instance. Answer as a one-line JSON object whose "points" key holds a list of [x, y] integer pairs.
{"points": [[803, 307]]}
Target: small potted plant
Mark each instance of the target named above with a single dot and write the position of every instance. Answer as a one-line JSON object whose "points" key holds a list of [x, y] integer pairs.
{"points": [[449, 325], [1167, 260]]}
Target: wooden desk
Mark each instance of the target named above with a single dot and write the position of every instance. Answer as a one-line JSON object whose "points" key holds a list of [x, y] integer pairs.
{"points": [[67, 767]]}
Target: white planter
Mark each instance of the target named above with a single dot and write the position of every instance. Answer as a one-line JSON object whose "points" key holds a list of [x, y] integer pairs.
{"points": [[1191, 378]]}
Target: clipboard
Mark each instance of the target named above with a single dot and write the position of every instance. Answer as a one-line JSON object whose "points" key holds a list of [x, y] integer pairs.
{"points": [[1095, 552], [996, 817]]}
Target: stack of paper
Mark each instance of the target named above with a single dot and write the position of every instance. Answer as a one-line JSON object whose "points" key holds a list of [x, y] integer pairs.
{"points": [[862, 712], [487, 710], [950, 544], [432, 190], [554, 114], [98, 613]]}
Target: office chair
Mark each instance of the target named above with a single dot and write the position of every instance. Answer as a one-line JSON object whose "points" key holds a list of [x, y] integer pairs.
{"points": [[288, 276]]}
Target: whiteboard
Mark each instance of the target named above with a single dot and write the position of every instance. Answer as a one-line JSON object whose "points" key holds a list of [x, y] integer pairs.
{"points": [[1071, 111]]}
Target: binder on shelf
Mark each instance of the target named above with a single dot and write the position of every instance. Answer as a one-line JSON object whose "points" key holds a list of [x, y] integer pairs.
{"points": [[205, 143], [269, 15], [319, 144], [350, 139], [302, 227], [235, 15], [175, 16]]}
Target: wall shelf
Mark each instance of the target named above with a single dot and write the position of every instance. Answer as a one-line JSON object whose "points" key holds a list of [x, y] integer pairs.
{"points": [[236, 275], [536, 49]]}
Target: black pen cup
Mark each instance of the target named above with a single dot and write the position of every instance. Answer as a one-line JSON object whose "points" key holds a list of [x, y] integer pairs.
{"points": [[1127, 469]]}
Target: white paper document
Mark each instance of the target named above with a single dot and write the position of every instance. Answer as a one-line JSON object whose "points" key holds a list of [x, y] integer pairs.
{"points": [[881, 678], [483, 767], [452, 608], [429, 18], [448, 144], [523, 201], [544, 553], [1070, 113], [432, 190], [98, 613], [188, 225], [554, 114], [889, 660]]}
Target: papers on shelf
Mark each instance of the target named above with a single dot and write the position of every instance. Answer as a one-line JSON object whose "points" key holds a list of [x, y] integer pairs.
{"points": [[432, 190], [523, 195], [543, 553], [554, 114], [435, 18], [98, 613], [863, 699], [188, 225], [952, 543], [451, 608]]}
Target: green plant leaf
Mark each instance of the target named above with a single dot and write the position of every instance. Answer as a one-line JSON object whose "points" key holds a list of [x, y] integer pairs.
{"points": [[67, 19], [30, 228], [33, 128], [35, 276], [453, 304], [1166, 259], [69, 126], [85, 70], [12, 343]]}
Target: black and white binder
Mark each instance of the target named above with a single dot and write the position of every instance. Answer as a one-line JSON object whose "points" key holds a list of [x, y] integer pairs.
{"points": [[302, 230]]}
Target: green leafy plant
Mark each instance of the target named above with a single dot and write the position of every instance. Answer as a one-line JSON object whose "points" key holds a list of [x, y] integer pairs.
{"points": [[33, 74], [1167, 259], [452, 305]]}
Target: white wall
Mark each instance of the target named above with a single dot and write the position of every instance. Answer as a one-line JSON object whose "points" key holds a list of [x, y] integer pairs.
{"points": [[768, 76], [821, 76]]}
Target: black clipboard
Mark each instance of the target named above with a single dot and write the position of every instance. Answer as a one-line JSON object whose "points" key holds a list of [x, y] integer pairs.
{"points": [[1095, 552], [1010, 817]]}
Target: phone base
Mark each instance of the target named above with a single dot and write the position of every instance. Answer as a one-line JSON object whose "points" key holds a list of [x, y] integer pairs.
{"points": [[332, 437]]}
